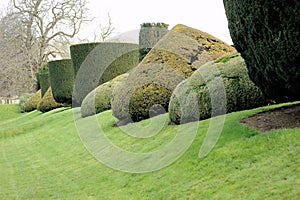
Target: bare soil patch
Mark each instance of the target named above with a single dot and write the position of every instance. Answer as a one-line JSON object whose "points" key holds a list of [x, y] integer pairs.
{"points": [[278, 118]]}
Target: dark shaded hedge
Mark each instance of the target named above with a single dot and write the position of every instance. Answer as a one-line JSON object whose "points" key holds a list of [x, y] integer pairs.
{"points": [[148, 89], [99, 99], [33, 102], [105, 62], [225, 82], [62, 80], [48, 103], [267, 33], [150, 34], [44, 80], [79, 52]]}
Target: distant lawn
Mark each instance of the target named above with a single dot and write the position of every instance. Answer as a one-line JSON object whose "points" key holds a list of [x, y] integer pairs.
{"points": [[42, 157]]}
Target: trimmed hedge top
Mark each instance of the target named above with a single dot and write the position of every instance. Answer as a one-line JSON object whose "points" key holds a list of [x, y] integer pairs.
{"points": [[62, 80], [48, 103], [104, 62], [33, 102], [173, 59]]}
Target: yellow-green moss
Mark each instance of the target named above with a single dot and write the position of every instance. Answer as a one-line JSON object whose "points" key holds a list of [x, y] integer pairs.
{"points": [[48, 103], [33, 102]]}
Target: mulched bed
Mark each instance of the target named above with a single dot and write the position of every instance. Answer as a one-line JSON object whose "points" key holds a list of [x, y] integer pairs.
{"points": [[278, 118]]}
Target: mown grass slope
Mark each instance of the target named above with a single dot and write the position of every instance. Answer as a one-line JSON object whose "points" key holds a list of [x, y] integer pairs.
{"points": [[42, 157]]}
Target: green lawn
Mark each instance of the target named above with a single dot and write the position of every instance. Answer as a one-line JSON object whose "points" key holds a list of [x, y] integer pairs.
{"points": [[43, 157]]}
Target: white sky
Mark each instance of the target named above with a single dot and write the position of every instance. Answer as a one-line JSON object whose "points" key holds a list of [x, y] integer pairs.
{"points": [[127, 15]]}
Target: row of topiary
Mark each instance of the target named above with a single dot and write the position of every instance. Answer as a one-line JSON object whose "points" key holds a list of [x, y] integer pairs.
{"points": [[189, 73], [67, 81]]}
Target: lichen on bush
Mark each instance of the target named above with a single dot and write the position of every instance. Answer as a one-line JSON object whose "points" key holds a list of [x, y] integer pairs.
{"points": [[175, 57], [99, 99], [33, 102], [218, 87], [23, 100], [48, 103]]}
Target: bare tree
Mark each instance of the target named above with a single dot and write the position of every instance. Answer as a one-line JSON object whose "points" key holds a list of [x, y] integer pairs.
{"points": [[105, 31], [35, 30]]}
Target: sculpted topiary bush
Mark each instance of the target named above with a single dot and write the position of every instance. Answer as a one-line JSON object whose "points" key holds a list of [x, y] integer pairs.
{"points": [[23, 100], [105, 62], [33, 102], [99, 99], [44, 82], [62, 80], [267, 33], [218, 87], [174, 58], [48, 103]]}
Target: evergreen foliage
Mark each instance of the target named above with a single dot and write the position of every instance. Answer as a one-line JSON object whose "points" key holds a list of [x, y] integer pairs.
{"points": [[267, 33]]}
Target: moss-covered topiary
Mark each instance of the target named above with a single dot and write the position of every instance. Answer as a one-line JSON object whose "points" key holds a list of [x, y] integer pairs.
{"points": [[104, 62], [267, 33], [23, 100], [33, 102], [48, 103], [99, 99], [225, 82], [62, 80], [174, 58]]}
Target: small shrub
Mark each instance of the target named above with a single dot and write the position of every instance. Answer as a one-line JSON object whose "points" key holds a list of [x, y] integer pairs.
{"points": [[23, 101], [99, 99], [226, 80], [33, 102], [48, 103]]}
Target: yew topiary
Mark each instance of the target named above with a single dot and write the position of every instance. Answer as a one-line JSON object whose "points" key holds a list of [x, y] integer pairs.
{"points": [[99, 99], [218, 87], [149, 86], [48, 103], [33, 102], [105, 62], [267, 33]]}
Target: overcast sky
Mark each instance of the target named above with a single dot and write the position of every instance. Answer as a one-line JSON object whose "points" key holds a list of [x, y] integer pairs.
{"points": [[127, 15]]}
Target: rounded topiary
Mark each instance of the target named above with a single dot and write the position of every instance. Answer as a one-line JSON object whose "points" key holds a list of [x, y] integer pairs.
{"points": [[99, 99], [149, 86], [44, 80], [267, 33], [48, 103], [33, 102], [62, 80], [225, 82], [23, 100], [103, 63]]}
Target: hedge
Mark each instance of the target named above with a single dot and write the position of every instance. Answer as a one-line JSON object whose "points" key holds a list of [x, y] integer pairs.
{"points": [[44, 80], [225, 82], [33, 102], [99, 99], [267, 33], [62, 80], [48, 103], [105, 62], [44, 69], [175, 57]]}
